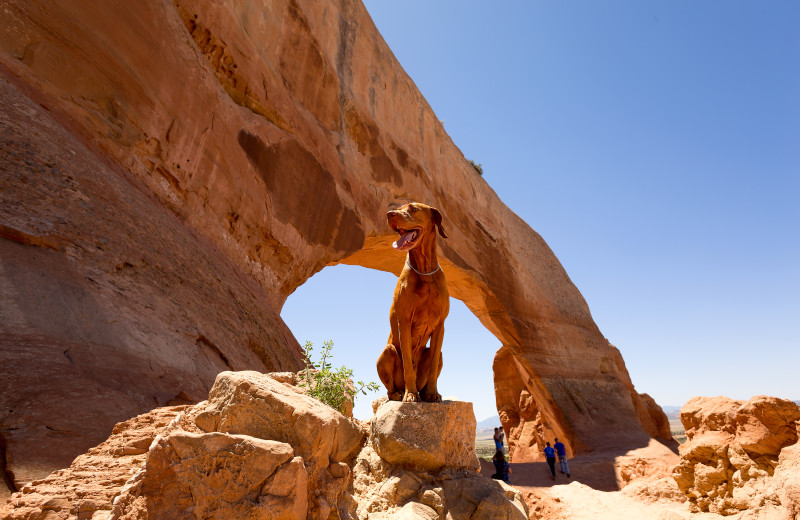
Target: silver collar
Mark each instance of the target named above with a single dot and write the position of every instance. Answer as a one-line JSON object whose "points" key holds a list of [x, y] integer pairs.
{"points": [[423, 274]]}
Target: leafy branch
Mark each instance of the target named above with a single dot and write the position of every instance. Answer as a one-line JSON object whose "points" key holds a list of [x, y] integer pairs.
{"points": [[334, 387]]}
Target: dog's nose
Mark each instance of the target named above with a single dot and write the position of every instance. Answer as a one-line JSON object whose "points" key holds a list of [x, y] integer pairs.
{"points": [[391, 213]]}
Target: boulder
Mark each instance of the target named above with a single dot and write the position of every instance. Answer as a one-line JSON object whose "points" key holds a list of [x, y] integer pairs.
{"points": [[425, 436], [782, 498], [478, 498], [415, 511], [420, 462], [254, 404], [739, 455], [217, 475]]}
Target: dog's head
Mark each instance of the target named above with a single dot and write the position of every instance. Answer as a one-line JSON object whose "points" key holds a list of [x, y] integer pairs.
{"points": [[414, 222]]}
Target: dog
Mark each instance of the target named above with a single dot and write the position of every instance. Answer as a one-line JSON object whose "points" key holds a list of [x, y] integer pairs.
{"points": [[407, 367]]}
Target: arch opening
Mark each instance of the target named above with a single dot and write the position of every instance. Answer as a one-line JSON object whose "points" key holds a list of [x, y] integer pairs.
{"points": [[350, 305]]}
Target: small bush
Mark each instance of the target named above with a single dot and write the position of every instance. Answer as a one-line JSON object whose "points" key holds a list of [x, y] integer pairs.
{"points": [[333, 387], [478, 167]]}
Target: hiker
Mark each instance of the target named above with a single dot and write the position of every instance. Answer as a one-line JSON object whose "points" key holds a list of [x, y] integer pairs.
{"points": [[498, 438], [550, 456], [501, 467], [561, 451]]}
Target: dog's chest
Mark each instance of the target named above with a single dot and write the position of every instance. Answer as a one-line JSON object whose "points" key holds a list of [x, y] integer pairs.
{"points": [[429, 309]]}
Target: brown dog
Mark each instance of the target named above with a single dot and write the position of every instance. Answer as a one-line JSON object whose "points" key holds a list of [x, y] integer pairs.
{"points": [[421, 302]]}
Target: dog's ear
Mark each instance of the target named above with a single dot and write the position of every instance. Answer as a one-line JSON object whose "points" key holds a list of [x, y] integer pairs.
{"points": [[437, 219]]}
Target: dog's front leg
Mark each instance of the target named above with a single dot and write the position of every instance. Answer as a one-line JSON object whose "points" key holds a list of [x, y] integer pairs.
{"points": [[409, 370], [431, 391]]}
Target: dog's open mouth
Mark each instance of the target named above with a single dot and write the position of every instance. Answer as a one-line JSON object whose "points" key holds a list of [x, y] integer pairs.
{"points": [[408, 239]]}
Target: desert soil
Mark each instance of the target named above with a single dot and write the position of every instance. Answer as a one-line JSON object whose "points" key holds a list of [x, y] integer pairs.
{"points": [[592, 493]]}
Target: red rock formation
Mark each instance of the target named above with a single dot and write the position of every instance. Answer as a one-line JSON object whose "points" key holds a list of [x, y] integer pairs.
{"points": [[741, 456], [94, 478], [110, 305], [259, 448], [186, 165], [408, 435]]}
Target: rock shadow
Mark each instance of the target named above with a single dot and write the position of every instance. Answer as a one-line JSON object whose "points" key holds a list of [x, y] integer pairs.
{"points": [[601, 470]]}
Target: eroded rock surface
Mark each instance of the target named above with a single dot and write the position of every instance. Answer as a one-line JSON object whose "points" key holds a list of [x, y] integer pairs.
{"points": [[95, 478], [259, 448], [420, 462], [741, 455], [110, 305], [405, 434], [216, 475]]}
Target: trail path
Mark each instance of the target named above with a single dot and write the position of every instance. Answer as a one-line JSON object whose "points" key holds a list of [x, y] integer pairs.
{"points": [[593, 493]]}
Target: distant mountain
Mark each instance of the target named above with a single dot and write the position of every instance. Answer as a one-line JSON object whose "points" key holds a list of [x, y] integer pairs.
{"points": [[672, 412], [491, 422]]}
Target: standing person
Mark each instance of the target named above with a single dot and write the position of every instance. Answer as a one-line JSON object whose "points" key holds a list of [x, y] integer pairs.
{"points": [[498, 438], [550, 456], [501, 467], [561, 450]]}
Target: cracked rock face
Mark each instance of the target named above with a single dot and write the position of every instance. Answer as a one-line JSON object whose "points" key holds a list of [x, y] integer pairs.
{"points": [[740, 455]]}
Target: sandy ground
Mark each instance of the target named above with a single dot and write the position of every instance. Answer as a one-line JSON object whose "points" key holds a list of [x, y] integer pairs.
{"points": [[594, 491]]}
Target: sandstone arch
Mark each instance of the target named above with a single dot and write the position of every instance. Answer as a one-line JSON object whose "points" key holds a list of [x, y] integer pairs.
{"points": [[534, 407], [173, 170]]}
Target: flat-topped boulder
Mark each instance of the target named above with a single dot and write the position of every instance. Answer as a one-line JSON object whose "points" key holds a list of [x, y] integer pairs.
{"points": [[419, 462], [425, 436]]}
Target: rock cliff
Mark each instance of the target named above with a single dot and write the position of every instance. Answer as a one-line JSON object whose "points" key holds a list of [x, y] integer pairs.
{"points": [[173, 170]]}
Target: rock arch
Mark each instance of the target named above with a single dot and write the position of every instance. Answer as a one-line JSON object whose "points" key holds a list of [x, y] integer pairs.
{"points": [[587, 410], [195, 163]]}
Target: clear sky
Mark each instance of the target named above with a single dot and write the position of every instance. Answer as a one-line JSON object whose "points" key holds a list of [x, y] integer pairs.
{"points": [[655, 146]]}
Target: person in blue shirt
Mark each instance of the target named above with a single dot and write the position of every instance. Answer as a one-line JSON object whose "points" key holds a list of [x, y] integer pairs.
{"points": [[501, 467], [498, 438], [561, 451], [550, 456]]}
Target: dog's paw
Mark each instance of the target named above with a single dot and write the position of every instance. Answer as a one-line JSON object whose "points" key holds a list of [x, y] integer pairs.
{"points": [[433, 397], [411, 397]]}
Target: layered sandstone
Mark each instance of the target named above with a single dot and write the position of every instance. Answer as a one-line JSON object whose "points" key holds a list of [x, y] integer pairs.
{"points": [[259, 448], [741, 456], [173, 170]]}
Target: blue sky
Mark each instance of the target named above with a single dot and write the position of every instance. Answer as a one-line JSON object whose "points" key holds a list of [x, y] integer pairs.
{"points": [[655, 146]]}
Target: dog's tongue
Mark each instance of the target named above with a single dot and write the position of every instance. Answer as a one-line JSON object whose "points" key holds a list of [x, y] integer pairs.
{"points": [[404, 240]]}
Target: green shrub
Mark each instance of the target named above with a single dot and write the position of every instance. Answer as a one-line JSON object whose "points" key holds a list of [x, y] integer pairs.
{"points": [[478, 167], [334, 387]]}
